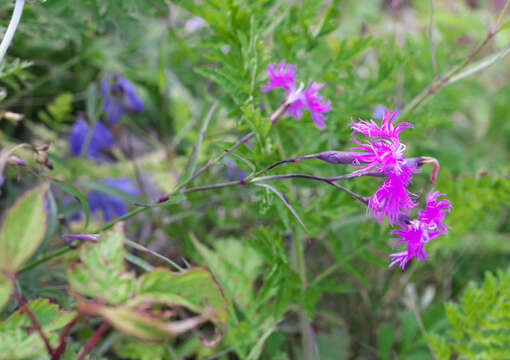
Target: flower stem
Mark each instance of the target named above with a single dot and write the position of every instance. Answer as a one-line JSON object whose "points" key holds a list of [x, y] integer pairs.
{"points": [[33, 319], [93, 340], [304, 321], [444, 80], [11, 29], [275, 115]]}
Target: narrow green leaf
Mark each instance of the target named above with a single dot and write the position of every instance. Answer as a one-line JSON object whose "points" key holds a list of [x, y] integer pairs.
{"points": [[284, 200], [74, 191], [23, 229], [5, 290]]}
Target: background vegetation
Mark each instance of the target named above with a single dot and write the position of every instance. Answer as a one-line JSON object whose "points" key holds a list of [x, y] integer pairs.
{"points": [[288, 293]]}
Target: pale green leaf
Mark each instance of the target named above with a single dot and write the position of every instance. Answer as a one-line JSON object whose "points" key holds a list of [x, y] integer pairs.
{"points": [[23, 229]]}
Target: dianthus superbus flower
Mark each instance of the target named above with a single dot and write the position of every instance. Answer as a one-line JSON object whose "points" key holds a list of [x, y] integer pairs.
{"points": [[298, 98], [415, 236], [384, 153], [435, 211], [416, 233]]}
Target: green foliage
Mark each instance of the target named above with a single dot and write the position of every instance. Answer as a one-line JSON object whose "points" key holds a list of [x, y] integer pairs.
{"points": [[21, 234], [479, 322], [58, 111], [297, 261], [137, 305], [18, 338]]}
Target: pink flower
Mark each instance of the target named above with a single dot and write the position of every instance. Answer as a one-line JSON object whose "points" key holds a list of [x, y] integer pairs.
{"points": [[416, 236], [435, 212], [387, 129], [384, 153], [392, 198], [418, 232], [298, 98]]}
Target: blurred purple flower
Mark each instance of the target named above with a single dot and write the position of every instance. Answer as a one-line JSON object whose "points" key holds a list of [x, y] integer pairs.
{"points": [[119, 97], [379, 111], [112, 205], [298, 98], [100, 138], [418, 232], [384, 153], [234, 172]]}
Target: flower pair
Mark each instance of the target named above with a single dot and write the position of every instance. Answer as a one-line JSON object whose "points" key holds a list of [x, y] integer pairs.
{"points": [[119, 97], [298, 98]]}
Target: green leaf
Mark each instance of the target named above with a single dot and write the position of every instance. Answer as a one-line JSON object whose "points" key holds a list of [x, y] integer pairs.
{"points": [[102, 273], [19, 340], [385, 339], [139, 306], [5, 290], [283, 198], [74, 191], [23, 229]]}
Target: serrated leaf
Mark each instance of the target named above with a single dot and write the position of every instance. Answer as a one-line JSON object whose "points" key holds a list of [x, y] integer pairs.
{"points": [[23, 229], [139, 306], [18, 340], [102, 273]]}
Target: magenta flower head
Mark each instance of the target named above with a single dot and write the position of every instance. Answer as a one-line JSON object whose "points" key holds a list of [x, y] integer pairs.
{"points": [[298, 98], [416, 236], [418, 232], [435, 212], [384, 153]]}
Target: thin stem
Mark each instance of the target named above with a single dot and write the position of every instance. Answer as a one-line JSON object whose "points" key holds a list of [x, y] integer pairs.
{"points": [[33, 320], [212, 186], [44, 259], [147, 250], [502, 12], [93, 340], [11, 29], [304, 321], [431, 39], [273, 117], [444, 80], [63, 337]]}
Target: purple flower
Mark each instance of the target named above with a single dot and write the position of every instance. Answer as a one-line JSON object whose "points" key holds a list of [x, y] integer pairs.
{"points": [[119, 97], [392, 197], [298, 98], [112, 205], [384, 153], [435, 212], [418, 232], [416, 236], [100, 138]]}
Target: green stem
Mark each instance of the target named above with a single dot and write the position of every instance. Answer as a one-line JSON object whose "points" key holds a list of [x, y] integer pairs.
{"points": [[444, 80], [304, 321], [45, 259]]}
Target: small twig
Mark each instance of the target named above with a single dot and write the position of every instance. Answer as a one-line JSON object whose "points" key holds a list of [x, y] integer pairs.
{"points": [[431, 40], [33, 319], [63, 337], [444, 80], [93, 340], [11, 29]]}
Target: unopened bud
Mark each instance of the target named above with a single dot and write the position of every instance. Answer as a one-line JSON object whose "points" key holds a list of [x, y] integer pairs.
{"points": [[12, 116], [82, 237], [14, 160], [334, 157]]}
